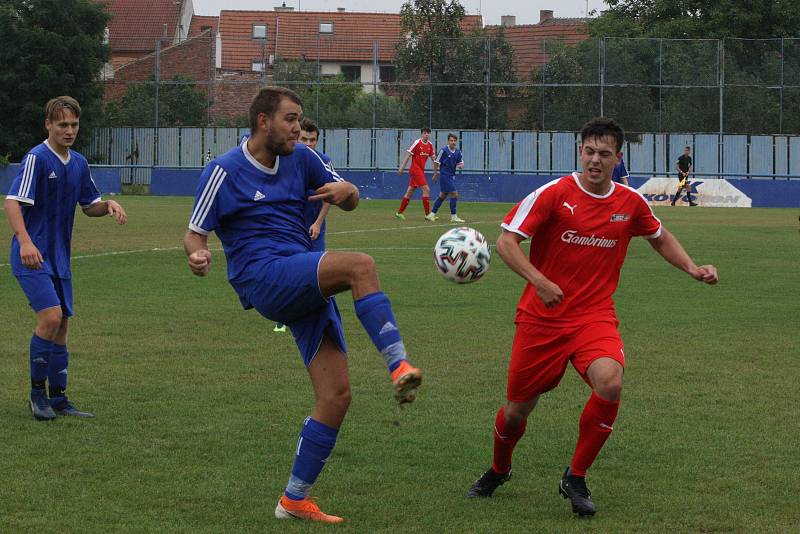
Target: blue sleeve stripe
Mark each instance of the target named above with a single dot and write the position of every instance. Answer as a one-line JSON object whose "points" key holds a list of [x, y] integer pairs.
{"points": [[27, 176], [208, 196]]}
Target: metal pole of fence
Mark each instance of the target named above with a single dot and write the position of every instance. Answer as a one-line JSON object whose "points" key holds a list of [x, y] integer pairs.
{"points": [[157, 76], [721, 78], [487, 65], [660, 81], [544, 66], [602, 68], [375, 70], [780, 110]]}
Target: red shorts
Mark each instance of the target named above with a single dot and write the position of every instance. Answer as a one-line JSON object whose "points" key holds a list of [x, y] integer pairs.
{"points": [[417, 178], [540, 354]]}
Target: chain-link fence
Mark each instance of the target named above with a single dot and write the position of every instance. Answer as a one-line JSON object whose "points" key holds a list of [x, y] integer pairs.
{"points": [[648, 85]]}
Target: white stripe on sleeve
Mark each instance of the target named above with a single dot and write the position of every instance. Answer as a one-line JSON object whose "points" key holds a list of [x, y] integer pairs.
{"points": [[207, 197], [27, 176], [525, 208]]}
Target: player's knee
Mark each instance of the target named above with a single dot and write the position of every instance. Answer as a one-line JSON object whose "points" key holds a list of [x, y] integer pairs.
{"points": [[337, 399], [49, 322], [514, 415], [362, 265], [609, 387]]}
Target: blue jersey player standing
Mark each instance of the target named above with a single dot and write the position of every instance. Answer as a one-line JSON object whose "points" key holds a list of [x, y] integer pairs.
{"points": [[254, 197], [40, 207], [444, 167]]}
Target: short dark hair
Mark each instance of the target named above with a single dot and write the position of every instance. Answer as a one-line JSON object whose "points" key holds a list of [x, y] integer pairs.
{"points": [[688, 148], [452, 135], [603, 127], [423, 130], [307, 125], [267, 101], [54, 109]]}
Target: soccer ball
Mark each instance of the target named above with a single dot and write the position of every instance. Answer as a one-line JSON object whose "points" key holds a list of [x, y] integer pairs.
{"points": [[462, 255]]}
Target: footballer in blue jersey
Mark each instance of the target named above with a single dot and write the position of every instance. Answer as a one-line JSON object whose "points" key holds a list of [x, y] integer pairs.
{"points": [[316, 212], [254, 198], [444, 169], [620, 173], [40, 206]]}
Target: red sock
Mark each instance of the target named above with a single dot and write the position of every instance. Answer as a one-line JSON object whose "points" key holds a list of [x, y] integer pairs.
{"points": [[403, 205], [595, 427], [426, 203], [505, 439]]}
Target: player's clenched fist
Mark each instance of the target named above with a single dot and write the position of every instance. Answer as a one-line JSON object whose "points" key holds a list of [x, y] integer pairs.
{"points": [[706, 273], [200, 262]]}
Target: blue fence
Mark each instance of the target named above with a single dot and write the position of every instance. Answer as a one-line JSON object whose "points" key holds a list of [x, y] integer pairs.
{"points": [[499, 152]]}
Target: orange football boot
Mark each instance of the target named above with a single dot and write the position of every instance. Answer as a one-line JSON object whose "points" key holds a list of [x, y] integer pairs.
{"points": [[406, 379], [305, 509]]}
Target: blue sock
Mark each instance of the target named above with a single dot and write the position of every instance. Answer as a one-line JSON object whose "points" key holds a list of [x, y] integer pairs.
{"points": [[437, 204], [313, 449], [375, 313], [41, 350], [57, 372], [453, 202]]}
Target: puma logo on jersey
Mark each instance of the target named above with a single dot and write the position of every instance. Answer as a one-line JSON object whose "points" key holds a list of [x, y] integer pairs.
{"points": [[259, 195], [570, 208]]}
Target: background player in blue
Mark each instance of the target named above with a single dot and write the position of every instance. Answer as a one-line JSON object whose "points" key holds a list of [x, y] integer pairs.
{"points": [[444, 166], [40, 207], [254, 198], [620, 173]]}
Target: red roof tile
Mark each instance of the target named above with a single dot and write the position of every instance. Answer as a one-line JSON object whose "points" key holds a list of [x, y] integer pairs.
{"points": [[295, 34], [136, 25], [527, 41]]}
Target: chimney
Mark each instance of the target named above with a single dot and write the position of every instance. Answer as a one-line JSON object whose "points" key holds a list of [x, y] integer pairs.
{"points": [[545, 15], [508, 21], [284, 7], [340, 9]]}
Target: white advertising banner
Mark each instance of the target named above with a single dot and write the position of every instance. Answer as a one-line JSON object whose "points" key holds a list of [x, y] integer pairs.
{"points": [[715, 193]]}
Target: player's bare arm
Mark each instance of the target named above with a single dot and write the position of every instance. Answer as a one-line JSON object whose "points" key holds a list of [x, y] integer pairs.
{"points": [[508, 247], [28, 253], [107, 207], [342, 194], [435, 171], [402, 166], [671, 250], [316, 227], [196, 247]]}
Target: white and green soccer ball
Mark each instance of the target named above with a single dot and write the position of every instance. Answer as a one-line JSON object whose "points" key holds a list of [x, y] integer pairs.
{"points": [[462, 255]]}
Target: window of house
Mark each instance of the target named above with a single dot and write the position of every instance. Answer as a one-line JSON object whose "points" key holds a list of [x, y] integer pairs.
{"points": [[351, 73], [259, 31], [257, 65], [388, 73], [326, 27]]}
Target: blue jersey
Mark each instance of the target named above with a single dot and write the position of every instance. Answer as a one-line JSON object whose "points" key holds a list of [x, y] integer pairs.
{"points": [[257, 212], [49, 190], [448, 160], [620, 171]]}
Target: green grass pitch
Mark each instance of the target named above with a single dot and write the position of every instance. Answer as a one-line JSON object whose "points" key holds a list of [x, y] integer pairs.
{"points": [[199, 403]]}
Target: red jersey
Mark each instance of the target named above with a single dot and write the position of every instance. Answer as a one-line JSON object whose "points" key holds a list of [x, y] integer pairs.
{"points": [[578, 241], [420, 151]]}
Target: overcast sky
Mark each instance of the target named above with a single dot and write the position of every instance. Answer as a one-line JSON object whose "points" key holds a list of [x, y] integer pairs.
{"points": [[526, 11]]}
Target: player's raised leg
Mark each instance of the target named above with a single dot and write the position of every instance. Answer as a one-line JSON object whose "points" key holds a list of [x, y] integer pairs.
{"points": [[329, 376], [355, 271]]}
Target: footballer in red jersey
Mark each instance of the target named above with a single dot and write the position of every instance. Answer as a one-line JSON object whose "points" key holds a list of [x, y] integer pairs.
{"points": [[579, 226], [419, 152]]}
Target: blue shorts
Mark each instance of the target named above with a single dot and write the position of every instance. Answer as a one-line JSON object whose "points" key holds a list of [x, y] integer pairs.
{"points": [[447, 184], [46, 291], [288, 292]]}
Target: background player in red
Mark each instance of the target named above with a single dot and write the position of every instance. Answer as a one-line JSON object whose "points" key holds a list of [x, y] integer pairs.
{"points": [[418, 152], [580, 227]]}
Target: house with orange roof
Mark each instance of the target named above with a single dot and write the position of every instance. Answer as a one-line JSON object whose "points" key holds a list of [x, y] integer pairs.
{"points": [[360, 46], [528, 40]]}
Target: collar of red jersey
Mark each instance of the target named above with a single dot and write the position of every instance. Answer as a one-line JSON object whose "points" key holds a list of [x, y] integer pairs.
{"points": [[577, 178]]}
